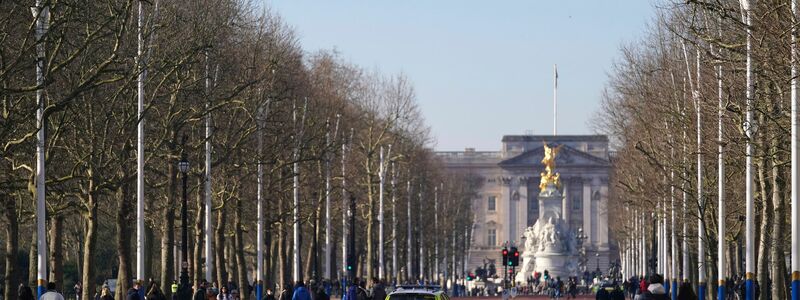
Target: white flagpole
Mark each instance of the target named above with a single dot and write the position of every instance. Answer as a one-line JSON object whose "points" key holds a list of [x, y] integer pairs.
{"points": [[344, 212], [721, 245], [685, 231], [643, 243], [207, 228], [327, 268], [555, 99], [299, 128], [260, 210], [673, 235], [328, 187], [381, 177], [42, 15], [435, 232], [421, 243], [663, 223], [140, 242], [749, 131], [701, 234], [409, 273], [795, 169], [395, 271]]}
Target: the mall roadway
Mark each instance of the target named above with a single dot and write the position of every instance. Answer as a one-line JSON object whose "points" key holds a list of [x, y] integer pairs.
{"points": [[580, 297]]}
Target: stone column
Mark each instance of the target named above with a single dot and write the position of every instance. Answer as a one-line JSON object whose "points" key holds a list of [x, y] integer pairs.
{"points": [[602, 215], [587, 212], [522, 208], [566, 205], [510, 211]]}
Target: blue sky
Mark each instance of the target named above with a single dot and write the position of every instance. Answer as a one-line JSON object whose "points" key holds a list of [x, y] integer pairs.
{"points": [[481, 69]]}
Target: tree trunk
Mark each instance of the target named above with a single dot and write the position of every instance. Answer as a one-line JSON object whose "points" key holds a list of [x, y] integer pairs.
{"points": [[762, 267], [198, 235], [11, 277], [370, 219], [777, 265], [239, 252], [311, 267], [32, 266], [219, 250], [123, 241], [230, 261], [89, 243], [272, 276], [282, 272], [168, 231], [56, 254]]}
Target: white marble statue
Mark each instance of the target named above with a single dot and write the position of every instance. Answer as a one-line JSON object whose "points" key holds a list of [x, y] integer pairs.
{"points": [[549, 244]]}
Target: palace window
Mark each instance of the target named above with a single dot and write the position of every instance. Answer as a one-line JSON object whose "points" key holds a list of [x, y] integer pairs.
{"points": [[491, 237], [576, 202], [492, 204]]}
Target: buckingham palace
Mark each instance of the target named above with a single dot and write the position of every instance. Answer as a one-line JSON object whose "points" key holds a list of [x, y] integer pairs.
{"points": [[506, 203]]}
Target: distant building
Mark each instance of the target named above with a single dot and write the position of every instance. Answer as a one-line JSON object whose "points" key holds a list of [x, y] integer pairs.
{"points": [[507, 201]]}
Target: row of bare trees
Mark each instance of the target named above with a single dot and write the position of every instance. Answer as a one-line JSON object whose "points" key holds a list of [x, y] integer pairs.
{"points": [[680, 95], [239, 65]]}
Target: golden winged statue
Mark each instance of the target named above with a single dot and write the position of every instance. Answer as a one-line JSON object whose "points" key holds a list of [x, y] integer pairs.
{"points": [[549, 162]]}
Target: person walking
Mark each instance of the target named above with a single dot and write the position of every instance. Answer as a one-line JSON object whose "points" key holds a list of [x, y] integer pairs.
{"points": [[362, 290], [200, 293], [24, 292], [78, 290], [154, 292], [655, 290], [286, 293], [378, 291], [642, 286], [617, 294], [105, 294], [174, 289], [572, 288], [352, 291], [686, 291], [321, 294], [268, 295], [223, 294], [133, 292], [300, 292], [51, 293], [602, 294]]}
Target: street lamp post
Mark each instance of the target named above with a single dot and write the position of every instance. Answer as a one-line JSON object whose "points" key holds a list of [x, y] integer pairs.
{"points": [[597, 255], [581, 237], [184, 292]]}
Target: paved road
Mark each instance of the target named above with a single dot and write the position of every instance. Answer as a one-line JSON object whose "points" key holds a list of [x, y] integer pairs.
{"points": [[580, 297]]}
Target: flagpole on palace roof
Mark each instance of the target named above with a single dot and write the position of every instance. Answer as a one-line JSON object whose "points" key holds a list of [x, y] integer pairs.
{"points": [[555, 99]]}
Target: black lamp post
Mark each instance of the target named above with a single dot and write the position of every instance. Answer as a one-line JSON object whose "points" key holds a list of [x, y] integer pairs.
{"points": [[597, 255], [184, 291]]}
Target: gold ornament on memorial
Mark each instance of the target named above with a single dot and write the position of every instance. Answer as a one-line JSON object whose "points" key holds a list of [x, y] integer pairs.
{"points": [[549, 161]]}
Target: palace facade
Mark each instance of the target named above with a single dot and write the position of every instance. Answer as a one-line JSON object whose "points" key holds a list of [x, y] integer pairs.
{"points": [[507, 202]]}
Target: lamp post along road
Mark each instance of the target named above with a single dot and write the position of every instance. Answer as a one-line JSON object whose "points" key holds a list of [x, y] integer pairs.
{"points": [[184, 291]]}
